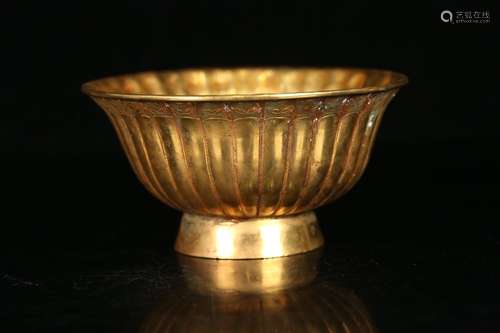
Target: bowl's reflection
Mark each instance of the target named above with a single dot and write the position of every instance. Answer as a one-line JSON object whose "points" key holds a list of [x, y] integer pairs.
{"points": [[273, 295]]}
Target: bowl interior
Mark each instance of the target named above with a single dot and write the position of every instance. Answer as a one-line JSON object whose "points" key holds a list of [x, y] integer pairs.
{"points": [[246, 81]]}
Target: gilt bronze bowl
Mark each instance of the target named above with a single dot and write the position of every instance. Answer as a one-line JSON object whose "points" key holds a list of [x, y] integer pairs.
{"points": [[247, 154]]}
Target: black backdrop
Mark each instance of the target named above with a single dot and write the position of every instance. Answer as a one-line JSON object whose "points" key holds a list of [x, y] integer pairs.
{"points": [[433, 178], [438, 144]]}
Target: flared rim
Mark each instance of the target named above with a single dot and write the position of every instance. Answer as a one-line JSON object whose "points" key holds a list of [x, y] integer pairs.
{"points": [[92, 88]]}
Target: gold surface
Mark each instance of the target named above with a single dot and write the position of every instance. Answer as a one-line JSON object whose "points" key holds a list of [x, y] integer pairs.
{"points": [[218, 237], [269, 295], [247, 143], [244, 84], [208, 276]]}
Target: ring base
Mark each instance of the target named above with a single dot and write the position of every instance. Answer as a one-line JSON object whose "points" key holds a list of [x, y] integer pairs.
{"points": [[264, 237]]}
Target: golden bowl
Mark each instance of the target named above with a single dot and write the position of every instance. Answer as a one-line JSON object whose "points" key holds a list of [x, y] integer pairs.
{"points": [[248, 153]]}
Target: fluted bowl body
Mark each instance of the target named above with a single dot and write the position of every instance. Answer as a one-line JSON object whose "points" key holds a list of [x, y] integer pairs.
{"points": [[245, 143]]}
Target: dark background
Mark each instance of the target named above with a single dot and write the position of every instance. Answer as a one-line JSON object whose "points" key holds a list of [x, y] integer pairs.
{"points": [[425, 211]]}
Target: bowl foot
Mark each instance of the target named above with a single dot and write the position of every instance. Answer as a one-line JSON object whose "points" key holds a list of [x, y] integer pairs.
{"points": [[262, 237]]}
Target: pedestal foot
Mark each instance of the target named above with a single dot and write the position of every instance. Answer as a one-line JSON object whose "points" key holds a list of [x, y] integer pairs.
{"points": [[265, 237]]}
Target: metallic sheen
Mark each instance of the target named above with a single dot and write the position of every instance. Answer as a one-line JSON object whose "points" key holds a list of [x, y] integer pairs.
{"points": [[256, 276], [246, 144], [218, 237]]}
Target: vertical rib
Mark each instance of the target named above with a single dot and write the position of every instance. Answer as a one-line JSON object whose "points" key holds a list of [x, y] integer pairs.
{"points": [[189, 172], [355, 133], [134, 156], [261, 156], [312, 142], [364, 155], [332, 158], [152, 176], [288, 145], [234, 159], [208, 162], [164, 153], [336, 190], [136, 168]]}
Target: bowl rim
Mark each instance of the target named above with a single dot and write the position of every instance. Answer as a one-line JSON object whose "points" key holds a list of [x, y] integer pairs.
{"points": [[399, 80]]}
